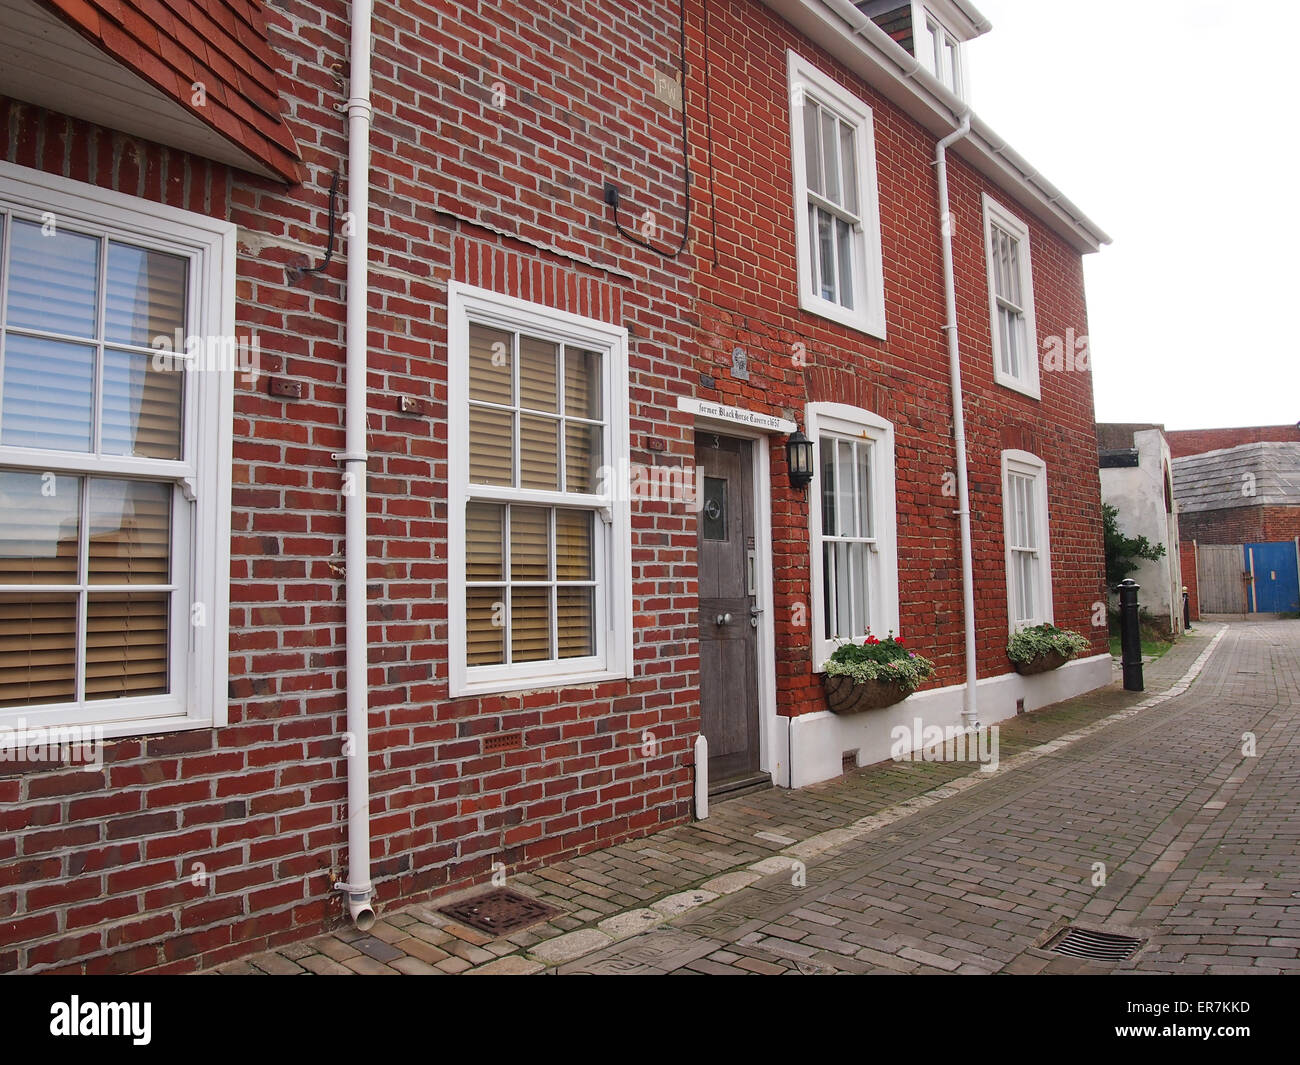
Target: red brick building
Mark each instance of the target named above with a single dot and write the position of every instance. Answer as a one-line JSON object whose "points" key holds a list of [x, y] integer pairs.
{"points": [[612, 259]]}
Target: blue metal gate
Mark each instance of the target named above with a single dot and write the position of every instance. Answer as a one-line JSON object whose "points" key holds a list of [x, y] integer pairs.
{"points": [[1276, 585]]}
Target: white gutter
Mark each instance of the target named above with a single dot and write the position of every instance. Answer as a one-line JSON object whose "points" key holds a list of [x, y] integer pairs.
{"points": [[969, 711], [358, 887], [854, 39]]}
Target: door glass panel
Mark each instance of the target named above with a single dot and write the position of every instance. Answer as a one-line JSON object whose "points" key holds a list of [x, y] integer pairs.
{"points": [[714, 513]]}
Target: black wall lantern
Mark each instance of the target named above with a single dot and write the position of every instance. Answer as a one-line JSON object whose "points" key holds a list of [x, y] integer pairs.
{"points": [[799, 459]]}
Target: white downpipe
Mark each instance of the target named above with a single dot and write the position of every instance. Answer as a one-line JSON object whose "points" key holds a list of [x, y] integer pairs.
{"points": [[355, 552], [969, 710], [701, 777]]}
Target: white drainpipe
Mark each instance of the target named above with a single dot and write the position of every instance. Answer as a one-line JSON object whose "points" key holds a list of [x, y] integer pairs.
{"points": [[358, 887], [969, 712]]}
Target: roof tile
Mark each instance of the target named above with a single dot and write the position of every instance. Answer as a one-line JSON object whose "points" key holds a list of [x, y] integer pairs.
{"points": [[167, 43]]}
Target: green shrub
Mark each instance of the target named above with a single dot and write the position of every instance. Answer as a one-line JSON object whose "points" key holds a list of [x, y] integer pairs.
{"points": [[887, 659], [1031, 643]]}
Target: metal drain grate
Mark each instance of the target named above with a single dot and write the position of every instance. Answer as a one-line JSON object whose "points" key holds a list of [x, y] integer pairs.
{"points": [[500, 911], [1097, 946]]}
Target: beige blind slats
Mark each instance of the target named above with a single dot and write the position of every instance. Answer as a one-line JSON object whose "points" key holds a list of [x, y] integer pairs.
{"points": [[574, 622], [484, 540], [130, 532], [582, 457], [491, 365], [538, 377], [582, 383], [573, 545], [39, 521], [530, 624], [38, 650], [485, 633], [530, 534], [142, 407], [126, 646], [146, 295], [539, 452], [490, 446], [48, 389], [52, 280]]}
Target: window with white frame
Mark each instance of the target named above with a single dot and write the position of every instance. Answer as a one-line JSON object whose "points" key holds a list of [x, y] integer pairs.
{"points": [[114, 459], [853, 533], [939, 50], [1028, 547], [837, 220], [540, 546], [1011, 299]]}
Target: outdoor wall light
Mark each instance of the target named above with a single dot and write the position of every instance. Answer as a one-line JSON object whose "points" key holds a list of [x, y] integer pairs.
{"points": [[799, 459]]}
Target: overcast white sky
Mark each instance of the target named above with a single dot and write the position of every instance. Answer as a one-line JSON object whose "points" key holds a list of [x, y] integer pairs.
{"points": [[1173, 125]]}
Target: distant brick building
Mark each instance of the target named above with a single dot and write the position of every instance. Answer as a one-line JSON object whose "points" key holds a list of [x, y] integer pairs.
{"points": [[616, 257]]}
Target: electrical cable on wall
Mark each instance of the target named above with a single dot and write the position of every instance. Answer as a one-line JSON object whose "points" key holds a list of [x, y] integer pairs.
{"points": [[613, 197]]}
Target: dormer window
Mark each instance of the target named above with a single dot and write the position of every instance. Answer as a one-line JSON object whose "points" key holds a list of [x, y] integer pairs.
{"points": [[939, 50]]}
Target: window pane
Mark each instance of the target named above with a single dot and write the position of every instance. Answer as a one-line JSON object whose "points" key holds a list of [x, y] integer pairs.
{"points": [[539, 452], [485, 626], [490, 365], [582, 384], [714, 512], [573, 545], [126, 646], [849, 164], [38, 649], [575, 627], [826, 246], [538, 381], [582, 457], [491, 446], [146, 295], [866, 522], [130, 531], [52, 280], [530, 624], [484, 542], [530, 544], [844, 480], [830, 156], [812, 150], [39, 520], [844, 236], [48, 388], [142, 407], [827, 448], [843, 576], [859, 557]]}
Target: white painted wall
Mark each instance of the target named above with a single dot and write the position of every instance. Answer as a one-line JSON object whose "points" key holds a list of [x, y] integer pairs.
{"points": [[1138, 493], [820, 741]]}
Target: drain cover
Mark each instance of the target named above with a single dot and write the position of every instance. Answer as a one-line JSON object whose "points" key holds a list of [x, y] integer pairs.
{"points": [[1099, 946], [500, 911]]}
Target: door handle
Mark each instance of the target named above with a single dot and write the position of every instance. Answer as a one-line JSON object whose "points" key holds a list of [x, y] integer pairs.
{"points": [[754, 611], [723, 619]]}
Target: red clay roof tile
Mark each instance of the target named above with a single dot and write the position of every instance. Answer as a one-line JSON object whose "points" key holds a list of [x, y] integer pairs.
{"points": [[222, 43]]}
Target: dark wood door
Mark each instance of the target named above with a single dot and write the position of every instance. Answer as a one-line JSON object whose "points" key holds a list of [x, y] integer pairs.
{"points": [[728, 622]]}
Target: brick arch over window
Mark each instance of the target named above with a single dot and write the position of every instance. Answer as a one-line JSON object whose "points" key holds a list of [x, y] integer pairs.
{"points": [[1020, 437], [834, 385]]}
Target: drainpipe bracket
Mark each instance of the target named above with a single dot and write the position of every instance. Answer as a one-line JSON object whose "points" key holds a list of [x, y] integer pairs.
{"points": [[350, 456]]}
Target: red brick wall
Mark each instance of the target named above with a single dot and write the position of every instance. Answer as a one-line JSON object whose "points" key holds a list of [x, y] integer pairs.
{"points": [[95, 868], [748, 297], [1241, 525], [1198, 441], [1187, 563]]}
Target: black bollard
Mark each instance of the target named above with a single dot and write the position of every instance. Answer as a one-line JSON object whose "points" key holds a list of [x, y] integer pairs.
{"points": [[1130, 636], [1187, 610]]}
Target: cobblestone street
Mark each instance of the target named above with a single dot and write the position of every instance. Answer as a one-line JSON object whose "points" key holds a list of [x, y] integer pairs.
{"points": [[938, 867]]}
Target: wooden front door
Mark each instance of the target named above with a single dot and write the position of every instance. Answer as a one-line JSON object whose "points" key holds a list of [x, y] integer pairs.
{"points": [[728, 618]]}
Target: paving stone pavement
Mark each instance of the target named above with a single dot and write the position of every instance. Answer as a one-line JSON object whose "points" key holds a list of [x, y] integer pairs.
{"points": [[1117, 811]]}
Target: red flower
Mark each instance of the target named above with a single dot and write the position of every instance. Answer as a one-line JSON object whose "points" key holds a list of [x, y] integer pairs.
{"points": [[870, 640], [899, 641]]}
